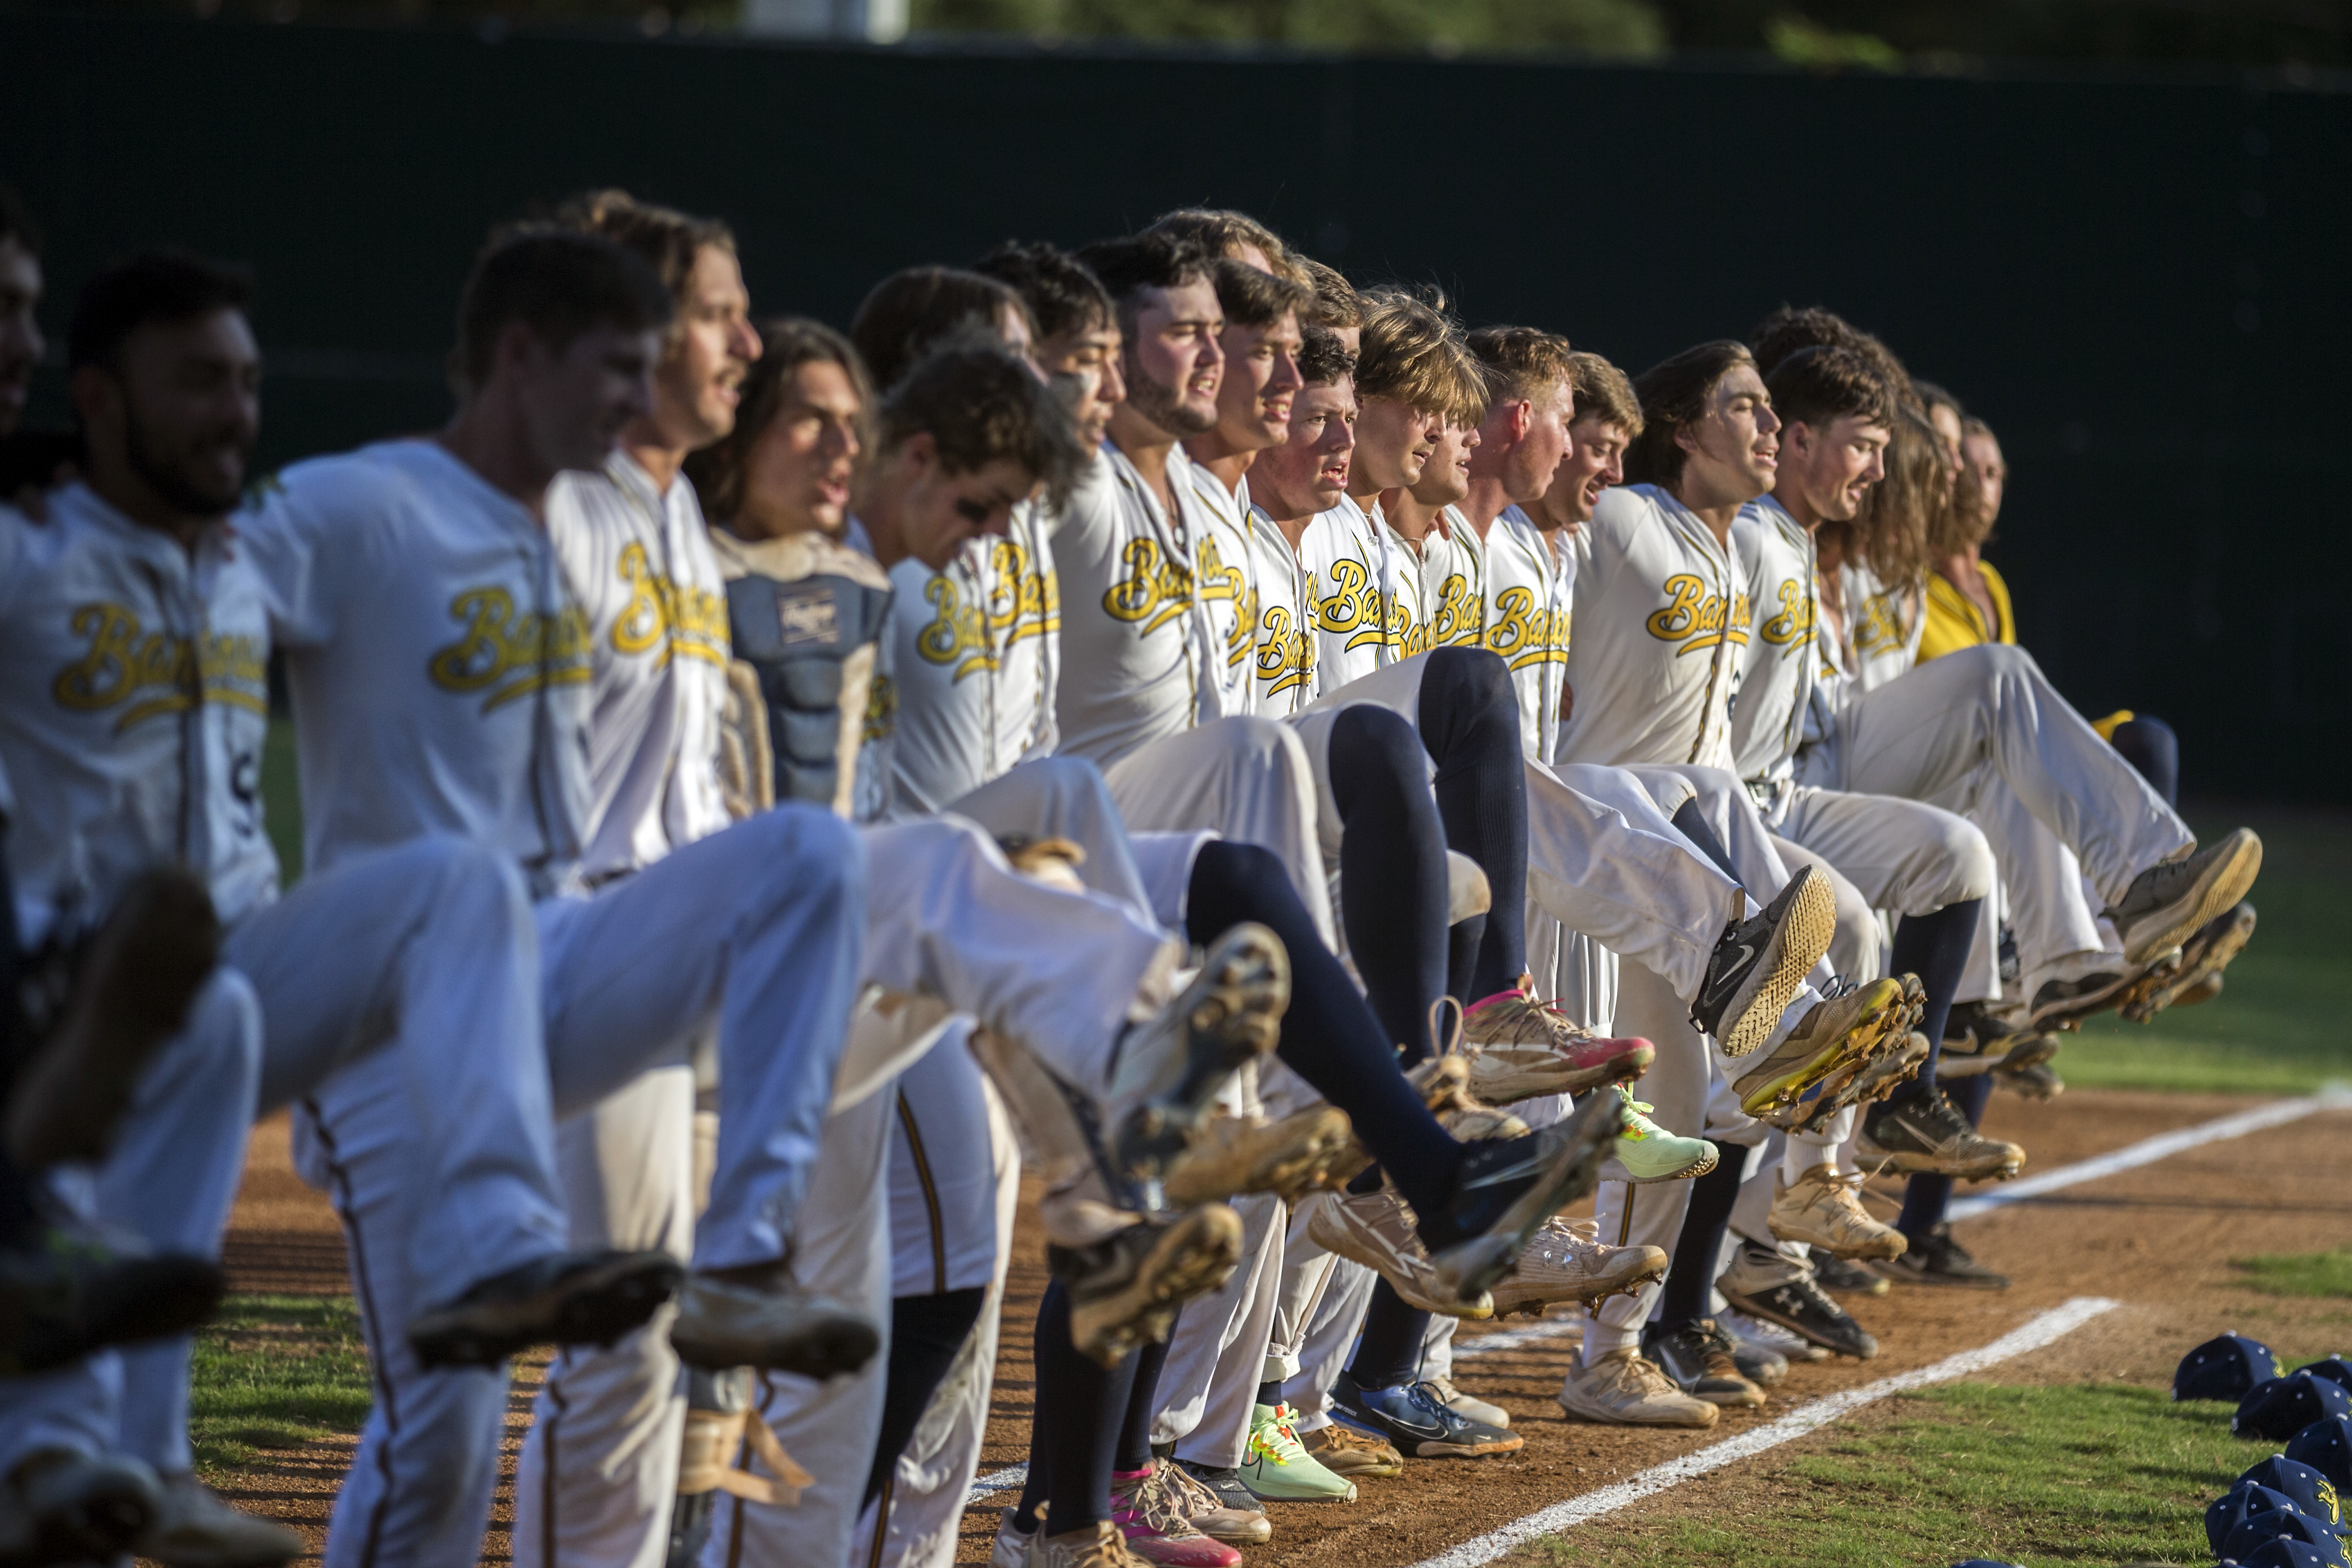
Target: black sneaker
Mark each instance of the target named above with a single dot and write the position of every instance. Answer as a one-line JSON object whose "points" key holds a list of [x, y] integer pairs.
{"points": [[1925, 1133], [2038, 1080], [1226, 1482], [2060, 1003], [1978, 1040], [1799, 1305], [1701, 1359], [564, 1299], [1422, 1425], [1507, 1187], [2167, 904], [1842, 1277], [2198, 976], [1757, 964], [68, 1288], [1937, 1259], [1759, 1364]]}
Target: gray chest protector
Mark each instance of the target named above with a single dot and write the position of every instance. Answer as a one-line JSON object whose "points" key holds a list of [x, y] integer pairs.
{"points": [[799, 639]]}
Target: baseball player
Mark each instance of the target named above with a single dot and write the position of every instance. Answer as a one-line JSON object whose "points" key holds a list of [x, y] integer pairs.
{"points": [[143, 635], [467, 630]]}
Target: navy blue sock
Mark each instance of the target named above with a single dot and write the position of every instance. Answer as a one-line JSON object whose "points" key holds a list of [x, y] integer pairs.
{"points": [[1392, 878], [1690, 1278], [1388, 1354], [1469, 720], [1935, 947]]}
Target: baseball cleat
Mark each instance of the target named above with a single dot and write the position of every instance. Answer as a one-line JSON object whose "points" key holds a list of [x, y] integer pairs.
{"points": [[129, 992], [2167, 904], [564, 1299], [1873, 1078], [1625, 1388], [1984, 1037], [1412, 1417], [1838, 1033], [197, 1529], [1125, 1290], [1839, 1277], [1503, 1075], [1236, 1155], [1505, 1188], [2082, 989], [1377, 1229], [1096, 1545], [2038, 1080], [1278, 1467], [1924, 1133], [1790, 1346], [1170, 1068], [1344, 1451], [1700, 1358], [1937, 1259], [1151, 1514], [1759, 1363], [1227, 1513], [1648, 1152], [723, 1322], [1013, 1547], [1823, 1209], [1566, 1262], [57, 1506], [1772, 1289], [69, 1290], [2197, 977], [1757, 964]]}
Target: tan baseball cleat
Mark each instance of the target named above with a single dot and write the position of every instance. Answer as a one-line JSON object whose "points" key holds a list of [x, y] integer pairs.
{"points": [[1623, 1389], [1823, 1208]]}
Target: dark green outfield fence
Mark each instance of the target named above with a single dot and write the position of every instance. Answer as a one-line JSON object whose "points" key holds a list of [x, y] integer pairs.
{"points": [[2145, 286]]}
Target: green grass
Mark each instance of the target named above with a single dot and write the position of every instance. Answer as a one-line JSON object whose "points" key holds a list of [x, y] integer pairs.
{"points": [[2280, 1025], [281, 800], [2100, 1474], [275, 1373], [2298, 1273]]}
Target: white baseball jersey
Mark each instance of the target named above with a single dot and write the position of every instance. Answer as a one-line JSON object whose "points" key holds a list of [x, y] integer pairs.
{"points": [[976, 651], [1286, 677], [1781, 701], [1362, 589], [1661, 624], [1227, 582], [1882, 626], [640, 561], [1454, 584], [1529, 586], [440, 663], [1137, 659], [137, 700]]}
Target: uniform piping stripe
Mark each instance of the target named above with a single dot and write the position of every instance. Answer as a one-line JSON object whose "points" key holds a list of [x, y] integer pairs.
{"points": [[344, 1210], [930, 1194]]}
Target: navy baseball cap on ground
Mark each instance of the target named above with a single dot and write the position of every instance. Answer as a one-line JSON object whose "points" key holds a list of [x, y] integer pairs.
{"points": [[2226, 1368], [2325, 1446], [2258, 1531], [2281, 1552], [2242, 1503], [2312, 1493], [2285, 1405], [2335, 1369]]}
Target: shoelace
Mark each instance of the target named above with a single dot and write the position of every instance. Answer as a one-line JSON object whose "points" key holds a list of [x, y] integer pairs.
{"points": [[1283, 1444], [1638, 1125], [1153, 1504], [1424, 1396]]}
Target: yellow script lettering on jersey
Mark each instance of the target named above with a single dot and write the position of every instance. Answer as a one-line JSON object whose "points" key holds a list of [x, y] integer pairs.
{"points": [[149, 674], [1154, 591], [1352, 607], [1218, 581], [687, 622], [1461, 619], [956, 634], [510, 654], [1879, 627], [1525, 635], [1286, 654], [1795, 620], [1696, 619]]}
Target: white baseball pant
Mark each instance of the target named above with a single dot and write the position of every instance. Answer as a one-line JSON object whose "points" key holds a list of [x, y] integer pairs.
{"points": [[1330, 1341], [755, 930], [1217, 1358], [170, 1179], [1948, 729], [2043, 880]]}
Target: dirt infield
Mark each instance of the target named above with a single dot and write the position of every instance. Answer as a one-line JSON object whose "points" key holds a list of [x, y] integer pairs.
{"points": [[2159, 1239]]}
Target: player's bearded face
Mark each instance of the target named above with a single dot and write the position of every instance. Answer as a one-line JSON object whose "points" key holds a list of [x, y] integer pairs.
{"points": [[1173, 364], [577, 402], [711, 348], [191, 401]]}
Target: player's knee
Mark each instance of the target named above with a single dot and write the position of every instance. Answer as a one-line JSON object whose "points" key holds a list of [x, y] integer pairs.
{"points": [[1475, 676], [459, 870], [1240, 876], [1973, 874], [812, 854], [1369, 740]]}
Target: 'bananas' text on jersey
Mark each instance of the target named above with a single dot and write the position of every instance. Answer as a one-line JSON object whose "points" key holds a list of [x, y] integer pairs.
{"points": [[1525, 634], [1795, 620], [508, 655], [685, 621], [1352, 608], [1695, 617], [152, 673], [1155, 590]]}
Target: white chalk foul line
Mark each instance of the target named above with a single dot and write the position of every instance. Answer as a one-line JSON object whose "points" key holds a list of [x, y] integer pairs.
{"points": [[2151, 1149], [1003, 1481], [2031, 1335]]}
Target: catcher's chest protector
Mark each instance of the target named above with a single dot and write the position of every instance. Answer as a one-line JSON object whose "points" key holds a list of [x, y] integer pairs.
{"points": [[798, 636]]}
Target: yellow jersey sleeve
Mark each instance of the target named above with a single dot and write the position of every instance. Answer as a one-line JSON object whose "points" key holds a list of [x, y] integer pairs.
{"points": [[1955, 621]]}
